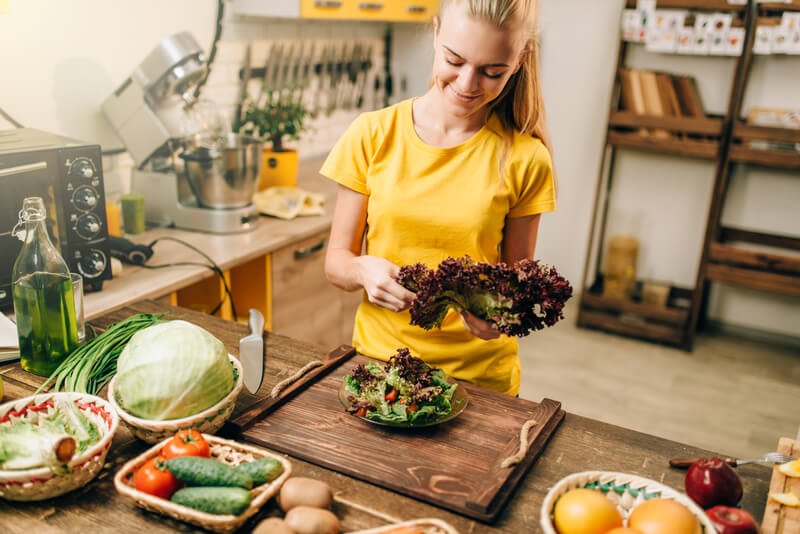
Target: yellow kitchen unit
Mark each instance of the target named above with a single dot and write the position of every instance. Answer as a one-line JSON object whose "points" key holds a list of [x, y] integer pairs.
{"points": [[377, 10], [203, 296]]}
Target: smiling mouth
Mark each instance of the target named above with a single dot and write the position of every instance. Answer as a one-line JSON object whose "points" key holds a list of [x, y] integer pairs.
{"points": [[460, 97]]}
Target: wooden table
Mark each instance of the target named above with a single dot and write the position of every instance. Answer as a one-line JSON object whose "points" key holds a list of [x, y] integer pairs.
{"points": [[579, 444]]}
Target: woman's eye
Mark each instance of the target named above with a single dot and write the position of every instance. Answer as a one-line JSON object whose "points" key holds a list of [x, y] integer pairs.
{"points": [[454, 63], [493, 76]]}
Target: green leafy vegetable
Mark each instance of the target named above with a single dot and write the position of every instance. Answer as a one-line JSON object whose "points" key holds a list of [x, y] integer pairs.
{"points": [[91, 366], [404, 390], [171, 370], [49, 441]]}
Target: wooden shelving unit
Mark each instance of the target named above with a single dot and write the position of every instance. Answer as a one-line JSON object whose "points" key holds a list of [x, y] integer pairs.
{"points": [[740, 257], [730, 255]]}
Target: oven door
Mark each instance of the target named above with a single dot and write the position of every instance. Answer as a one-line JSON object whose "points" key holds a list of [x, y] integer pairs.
{"points": [[20, 178]]}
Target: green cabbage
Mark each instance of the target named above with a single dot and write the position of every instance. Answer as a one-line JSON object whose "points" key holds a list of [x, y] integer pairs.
{"points": [[171, 370]]}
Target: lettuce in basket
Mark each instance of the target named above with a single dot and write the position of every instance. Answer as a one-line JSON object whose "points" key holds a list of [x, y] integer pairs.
{"points": [[404, 390]]}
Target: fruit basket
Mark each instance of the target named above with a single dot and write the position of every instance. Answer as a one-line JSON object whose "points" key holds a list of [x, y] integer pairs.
{"points": [[626, 491], [43, 482], [209, 420], [227, 451], [426, 526]]}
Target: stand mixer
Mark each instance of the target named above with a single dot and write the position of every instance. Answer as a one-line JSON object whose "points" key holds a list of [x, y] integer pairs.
{"points": [[192, 175]]}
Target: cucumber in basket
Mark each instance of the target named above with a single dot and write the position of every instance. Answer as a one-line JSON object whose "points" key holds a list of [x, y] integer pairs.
{"points": [[196, 471], [221, 501], [262, 470]]}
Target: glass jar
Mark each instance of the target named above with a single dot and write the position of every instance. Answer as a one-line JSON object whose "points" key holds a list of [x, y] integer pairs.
{"points": [[44, 305]]}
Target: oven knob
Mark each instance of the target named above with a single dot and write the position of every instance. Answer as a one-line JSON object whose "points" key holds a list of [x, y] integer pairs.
{"points": [[85, 198], [82, 168], [87, 226], [93, 264]]}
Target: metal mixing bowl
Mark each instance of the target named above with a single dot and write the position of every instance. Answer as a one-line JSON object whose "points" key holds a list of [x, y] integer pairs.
{"points": [[224, 173]]}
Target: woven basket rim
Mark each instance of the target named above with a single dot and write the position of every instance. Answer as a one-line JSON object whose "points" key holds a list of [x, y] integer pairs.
{"points": [[153, 425], [565, 483], [444, 526], [218, 522], [7, 475]]}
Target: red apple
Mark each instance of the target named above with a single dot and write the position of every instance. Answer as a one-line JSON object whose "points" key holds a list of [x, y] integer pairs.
{"points": [[710, 481], [729, 520]]}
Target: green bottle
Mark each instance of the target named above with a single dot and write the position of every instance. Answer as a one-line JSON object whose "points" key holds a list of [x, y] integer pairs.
{"points": [[44, 305]]}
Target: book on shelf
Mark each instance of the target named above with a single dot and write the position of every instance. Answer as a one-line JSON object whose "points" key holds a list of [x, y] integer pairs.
{"points": [[659, 94]]}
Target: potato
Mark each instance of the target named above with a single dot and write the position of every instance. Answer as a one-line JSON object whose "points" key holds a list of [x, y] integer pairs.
{"points": [[308, 520], [300, 491], [273, 525]]}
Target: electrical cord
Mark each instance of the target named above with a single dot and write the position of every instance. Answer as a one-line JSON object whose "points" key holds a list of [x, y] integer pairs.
{"points": [[213, 52], [211, 265], [10, 119]]}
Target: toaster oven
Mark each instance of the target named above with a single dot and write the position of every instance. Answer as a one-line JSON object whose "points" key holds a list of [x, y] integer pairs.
{"points": [[68, 175]]}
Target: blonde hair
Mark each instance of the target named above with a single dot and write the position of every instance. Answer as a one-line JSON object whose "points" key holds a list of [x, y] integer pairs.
{"points": [[520, 105]]}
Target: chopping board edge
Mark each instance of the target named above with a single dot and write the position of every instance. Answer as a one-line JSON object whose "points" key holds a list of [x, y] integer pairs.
{"points": [[500, 499]]}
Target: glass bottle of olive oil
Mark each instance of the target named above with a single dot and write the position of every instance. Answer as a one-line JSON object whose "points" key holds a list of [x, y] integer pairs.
{"points": [[44, 305]]}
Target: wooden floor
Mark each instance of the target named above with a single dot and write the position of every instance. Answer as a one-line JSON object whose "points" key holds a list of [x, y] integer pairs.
{"points": [[731, 395]]}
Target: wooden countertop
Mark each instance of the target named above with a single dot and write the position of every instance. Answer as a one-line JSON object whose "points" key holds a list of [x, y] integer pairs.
{"points": [[579, 444], [136, 283]]}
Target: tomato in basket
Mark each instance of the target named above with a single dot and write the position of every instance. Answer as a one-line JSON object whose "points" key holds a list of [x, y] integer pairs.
{"points": [[153, 478], [186, 443]]}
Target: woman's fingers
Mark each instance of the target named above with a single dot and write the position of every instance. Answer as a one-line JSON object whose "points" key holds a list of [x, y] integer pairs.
{"points": [[478, 327]]}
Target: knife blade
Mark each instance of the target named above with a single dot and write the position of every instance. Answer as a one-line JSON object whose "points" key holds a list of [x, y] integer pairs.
{"points": [[251, 352]]}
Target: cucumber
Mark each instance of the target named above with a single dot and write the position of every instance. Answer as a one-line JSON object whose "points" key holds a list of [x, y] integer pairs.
{"points": [[262, 470], [213, 500], [196, 471]]}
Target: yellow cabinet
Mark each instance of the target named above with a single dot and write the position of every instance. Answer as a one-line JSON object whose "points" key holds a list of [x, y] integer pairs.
{"points": [[381, 10], [326, 9], [412, 10], [204, 296]]}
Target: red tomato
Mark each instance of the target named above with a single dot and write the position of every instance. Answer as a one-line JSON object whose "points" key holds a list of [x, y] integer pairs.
{"points": [[412, 407], [391, 395], [153, 478], [362, 412], [186, 443]]}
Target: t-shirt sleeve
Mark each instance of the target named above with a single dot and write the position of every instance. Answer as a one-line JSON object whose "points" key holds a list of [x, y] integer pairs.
{"points": [[535, 185], [348, 161]]}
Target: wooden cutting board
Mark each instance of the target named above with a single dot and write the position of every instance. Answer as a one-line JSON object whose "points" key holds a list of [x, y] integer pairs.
{"points": [[780, 519], [455, 465]]}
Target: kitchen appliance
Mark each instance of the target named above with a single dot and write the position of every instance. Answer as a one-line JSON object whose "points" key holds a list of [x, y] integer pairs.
{"points": [[68, 175], [192, 172]]}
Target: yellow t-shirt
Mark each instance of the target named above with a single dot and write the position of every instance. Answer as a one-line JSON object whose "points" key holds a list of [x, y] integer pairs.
{"points": [[427, 203]]}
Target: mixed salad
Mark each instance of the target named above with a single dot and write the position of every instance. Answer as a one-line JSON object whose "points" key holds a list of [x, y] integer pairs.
{"points": [[403, 390]]}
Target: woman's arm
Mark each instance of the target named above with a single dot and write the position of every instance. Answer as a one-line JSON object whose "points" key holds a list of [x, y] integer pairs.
{"points": [[347, 269], [519, 238]]}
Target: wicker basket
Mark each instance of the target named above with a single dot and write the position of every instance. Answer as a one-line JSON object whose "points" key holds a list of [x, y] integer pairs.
{"points": [[625, 490], [42, 483], [429, 526], [227, 451], [209, 420]]}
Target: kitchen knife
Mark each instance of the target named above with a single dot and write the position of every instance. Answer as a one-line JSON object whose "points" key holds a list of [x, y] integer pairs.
{"points": [[251, 352]]}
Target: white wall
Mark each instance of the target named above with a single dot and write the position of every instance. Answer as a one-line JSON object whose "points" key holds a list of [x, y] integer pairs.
{"points": [[64, 65]]}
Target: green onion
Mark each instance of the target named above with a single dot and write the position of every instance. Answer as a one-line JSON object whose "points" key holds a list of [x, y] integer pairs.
{"points": [[91, 366]]}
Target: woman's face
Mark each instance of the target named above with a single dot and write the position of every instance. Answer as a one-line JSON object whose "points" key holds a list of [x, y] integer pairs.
{"points": [[473, 59]]}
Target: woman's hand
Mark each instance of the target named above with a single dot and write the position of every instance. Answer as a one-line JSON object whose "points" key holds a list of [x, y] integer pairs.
{"points": [[479, 327], [378, 277]]}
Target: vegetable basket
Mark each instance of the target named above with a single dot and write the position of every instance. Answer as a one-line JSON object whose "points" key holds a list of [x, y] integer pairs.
{"points": [[45, 482], [428, 526], [227, 451], [209, 420], [626, 491]]}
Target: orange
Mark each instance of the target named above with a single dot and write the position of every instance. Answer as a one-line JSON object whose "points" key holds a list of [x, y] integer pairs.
{"points": [[623, 530], [585, 511], [786, 499], [663, 516]]}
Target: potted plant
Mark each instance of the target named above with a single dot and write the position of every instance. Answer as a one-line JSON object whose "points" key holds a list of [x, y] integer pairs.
{"points": [[277, 121]]}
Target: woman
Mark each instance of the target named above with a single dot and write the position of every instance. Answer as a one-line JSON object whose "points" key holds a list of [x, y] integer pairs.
{"points": [[463, 169]]}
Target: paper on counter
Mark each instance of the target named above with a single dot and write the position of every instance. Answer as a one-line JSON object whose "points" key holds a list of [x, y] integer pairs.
{"points": [[9, 342]]}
